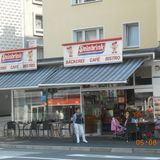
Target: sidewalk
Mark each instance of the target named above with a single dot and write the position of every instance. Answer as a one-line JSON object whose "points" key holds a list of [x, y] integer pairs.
{"points": [[98, 144]]}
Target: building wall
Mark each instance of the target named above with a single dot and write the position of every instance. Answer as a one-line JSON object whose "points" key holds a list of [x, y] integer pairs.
{"points": [[11, 24], [158, 19], [30, 10], [62, 18]]}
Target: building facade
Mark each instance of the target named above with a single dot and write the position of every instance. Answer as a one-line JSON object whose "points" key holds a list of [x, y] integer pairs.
{"points": [[11, 24], [21, 26], [33, 25], [101, 19], [137, 22], [87, 29]]}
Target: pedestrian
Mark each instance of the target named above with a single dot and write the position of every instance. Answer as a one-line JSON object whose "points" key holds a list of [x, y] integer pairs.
{"points": [[78, 121], [128, 119], [157, 127]]}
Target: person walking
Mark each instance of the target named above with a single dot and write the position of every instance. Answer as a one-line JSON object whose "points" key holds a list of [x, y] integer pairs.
{"points": [[78, 121]]}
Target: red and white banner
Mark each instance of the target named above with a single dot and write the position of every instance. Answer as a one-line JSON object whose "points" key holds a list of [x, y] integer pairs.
{"points": [[93, 52], [17, 60]]}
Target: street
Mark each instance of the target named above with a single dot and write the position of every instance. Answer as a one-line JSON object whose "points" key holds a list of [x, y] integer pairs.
{"points": [[23, 154]]}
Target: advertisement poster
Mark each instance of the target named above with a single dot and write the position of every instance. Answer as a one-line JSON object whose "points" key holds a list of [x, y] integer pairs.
{"points": [[93, 52], [18, 60]]}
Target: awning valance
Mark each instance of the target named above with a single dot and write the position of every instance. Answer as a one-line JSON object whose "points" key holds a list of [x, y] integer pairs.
{"points": [[57, 75], [25, 79], [100, 74]]}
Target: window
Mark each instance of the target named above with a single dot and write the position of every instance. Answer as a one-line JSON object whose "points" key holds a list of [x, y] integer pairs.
{"points": [[38, 25], [88, 34], [143, 76], [131, 35], [83, 1], [37, 2]]}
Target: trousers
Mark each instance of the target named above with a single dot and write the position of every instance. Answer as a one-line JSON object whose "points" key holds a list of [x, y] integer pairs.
{"points": [[79, 131]]}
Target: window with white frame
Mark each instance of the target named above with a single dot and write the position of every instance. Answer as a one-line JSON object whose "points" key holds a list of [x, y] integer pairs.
{"points": [[38, 25], [88, 34], [37, 2], [83, 1], [131, 35]]}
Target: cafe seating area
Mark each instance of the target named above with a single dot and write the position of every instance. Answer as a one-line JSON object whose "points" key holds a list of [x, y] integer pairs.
{"points": [[38, 129], [140, 130]]}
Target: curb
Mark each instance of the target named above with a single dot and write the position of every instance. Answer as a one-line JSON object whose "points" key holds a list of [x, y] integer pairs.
{"points": [[85, 149]]}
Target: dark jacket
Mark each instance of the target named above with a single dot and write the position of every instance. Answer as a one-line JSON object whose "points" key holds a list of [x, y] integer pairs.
{"points": [[128, 120]]}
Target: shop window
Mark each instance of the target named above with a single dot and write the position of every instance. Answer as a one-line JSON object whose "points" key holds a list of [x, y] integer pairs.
{"points": [[144, 104], [88, 34], [38, 25], [62, 103], [143, 76], [28, 106], [131, 35], [130, 81], [51, 104], [75, 2]]}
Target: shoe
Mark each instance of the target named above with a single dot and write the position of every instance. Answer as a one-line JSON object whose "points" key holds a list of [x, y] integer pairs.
{"points": [[78, 142], [85, 141]]}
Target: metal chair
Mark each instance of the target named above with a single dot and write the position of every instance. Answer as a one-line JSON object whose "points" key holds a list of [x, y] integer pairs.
{"points": [[34, 126], [11, 128], [47, 126], [65, 128], [131, 129], [142, 130]]}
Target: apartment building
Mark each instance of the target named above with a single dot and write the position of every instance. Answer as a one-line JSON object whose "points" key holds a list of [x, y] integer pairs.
{"points": [[134, 21], [101, 56], [21, 26], [11, 24], [75, 23]]}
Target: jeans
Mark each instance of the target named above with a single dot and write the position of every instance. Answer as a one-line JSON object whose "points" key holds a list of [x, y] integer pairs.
{"points": [[79, 131]]}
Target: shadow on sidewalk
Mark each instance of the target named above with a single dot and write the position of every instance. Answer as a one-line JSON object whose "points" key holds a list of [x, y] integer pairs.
{"points": [[101, 141]]}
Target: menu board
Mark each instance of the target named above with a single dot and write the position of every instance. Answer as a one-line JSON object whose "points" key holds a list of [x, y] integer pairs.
{"points": [[156, 104]]}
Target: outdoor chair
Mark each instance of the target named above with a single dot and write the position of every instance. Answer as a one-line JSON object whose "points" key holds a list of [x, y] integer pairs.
{"points": [[65, 129], [47, 126], [34, 127], [11, 128], [142, 130], [131, 131]]}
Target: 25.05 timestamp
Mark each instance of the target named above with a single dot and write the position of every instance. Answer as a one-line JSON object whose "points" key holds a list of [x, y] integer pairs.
{"points": [[150, 142]]}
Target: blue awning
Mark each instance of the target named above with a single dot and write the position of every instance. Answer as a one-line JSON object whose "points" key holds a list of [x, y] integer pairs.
{"points": [[100, 74], [25, 79]]}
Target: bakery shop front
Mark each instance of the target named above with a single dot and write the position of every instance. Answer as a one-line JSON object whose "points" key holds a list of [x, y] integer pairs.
{"points": [[94, 75]]}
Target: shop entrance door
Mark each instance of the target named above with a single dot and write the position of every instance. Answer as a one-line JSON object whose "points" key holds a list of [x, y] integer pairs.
{"points": [[98, 108]]}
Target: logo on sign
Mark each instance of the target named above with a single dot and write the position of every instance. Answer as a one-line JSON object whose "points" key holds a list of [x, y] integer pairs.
{"points": [[12, 57], [90, 49]]}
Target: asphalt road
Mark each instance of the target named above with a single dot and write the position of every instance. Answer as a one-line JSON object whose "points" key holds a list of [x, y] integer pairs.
{"points": [[19, 154]]}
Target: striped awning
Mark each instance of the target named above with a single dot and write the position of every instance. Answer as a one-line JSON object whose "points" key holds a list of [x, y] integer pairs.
{"points": [[100, 74], [57, 75], [25, 79]]}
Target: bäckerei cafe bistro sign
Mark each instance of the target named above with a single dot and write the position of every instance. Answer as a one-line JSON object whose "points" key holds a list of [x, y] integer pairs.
{"points": [[93, 52], [18, 60]]}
